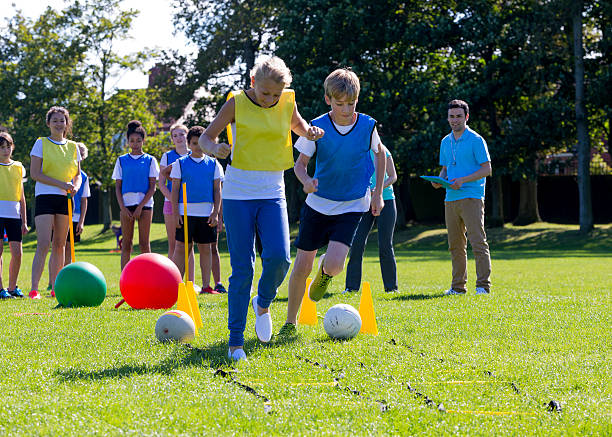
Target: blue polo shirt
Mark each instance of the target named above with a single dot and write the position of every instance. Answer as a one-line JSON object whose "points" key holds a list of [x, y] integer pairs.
{"points": [[463, 157]]}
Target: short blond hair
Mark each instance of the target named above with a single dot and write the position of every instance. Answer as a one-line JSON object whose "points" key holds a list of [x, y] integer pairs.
{"points": [[342, 82], [273, 68]]}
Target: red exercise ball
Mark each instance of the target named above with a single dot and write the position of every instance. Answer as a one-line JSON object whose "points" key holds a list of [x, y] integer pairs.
{"points": [[150, 281]]}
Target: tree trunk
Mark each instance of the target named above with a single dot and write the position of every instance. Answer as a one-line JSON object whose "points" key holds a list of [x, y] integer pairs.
{"points": [[528, 203], [584, 150], [496, 220]]}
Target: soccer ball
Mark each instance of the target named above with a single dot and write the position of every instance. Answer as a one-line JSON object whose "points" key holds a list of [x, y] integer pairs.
{"points": [[175, 325], [342, 321]]}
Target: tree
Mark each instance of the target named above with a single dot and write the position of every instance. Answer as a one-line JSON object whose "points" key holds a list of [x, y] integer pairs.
{"points": [[584, 149]]}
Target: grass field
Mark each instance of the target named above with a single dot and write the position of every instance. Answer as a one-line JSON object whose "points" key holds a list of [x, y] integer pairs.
{"points": [[469, 365]]}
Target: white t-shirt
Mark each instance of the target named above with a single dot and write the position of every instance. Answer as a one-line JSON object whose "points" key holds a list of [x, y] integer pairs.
{"points": [[40, 188], [334, 207], [133, 198], [163, 162], [202, 209], [86, 193], [252, 184], [10, 208]]}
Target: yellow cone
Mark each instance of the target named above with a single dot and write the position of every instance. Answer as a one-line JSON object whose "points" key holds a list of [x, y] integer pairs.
{"points": [[183, 304], [195, 308], [308, 310], [366, 311]]}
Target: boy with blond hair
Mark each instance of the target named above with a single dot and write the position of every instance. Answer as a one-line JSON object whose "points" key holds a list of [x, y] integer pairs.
{"points": [[338, 193]]}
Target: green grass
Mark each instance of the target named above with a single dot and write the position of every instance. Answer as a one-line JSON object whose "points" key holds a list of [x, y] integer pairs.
{"points": [[470, 365]]}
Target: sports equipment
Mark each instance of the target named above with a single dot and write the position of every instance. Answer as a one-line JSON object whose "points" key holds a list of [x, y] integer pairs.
{"points": [[342, 321], [80, 284], [175, 325], [151, 281]]}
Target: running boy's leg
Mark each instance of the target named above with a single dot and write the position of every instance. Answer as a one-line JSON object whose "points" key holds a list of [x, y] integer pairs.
{"points": [[386, 254], [302, 266], [354, 266], [239, 216]]}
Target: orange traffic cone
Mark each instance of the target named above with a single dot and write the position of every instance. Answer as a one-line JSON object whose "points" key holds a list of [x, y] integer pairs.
{"points": [[183, 304], [195, 308], [366, 311], [308, 310]]}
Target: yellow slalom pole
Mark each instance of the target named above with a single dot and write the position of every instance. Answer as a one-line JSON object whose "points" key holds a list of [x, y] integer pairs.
{"points": [[186, 232], [71, 231]]}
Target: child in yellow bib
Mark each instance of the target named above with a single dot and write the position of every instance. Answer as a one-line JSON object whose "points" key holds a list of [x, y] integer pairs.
{"points": [[55, 166], [13, 218], [261, 120]]}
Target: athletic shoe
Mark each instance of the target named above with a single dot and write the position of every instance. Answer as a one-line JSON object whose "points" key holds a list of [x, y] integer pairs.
{"points": [[208, 290], [237, 355], [451, 292], [319, 285], [49, 287], [220, 288], [34, 294], [4, 294], [263, 324], [349, 290], [52, 293], [391, 290], [16, 292], [287, 331], [197, 288], [480, 290]]}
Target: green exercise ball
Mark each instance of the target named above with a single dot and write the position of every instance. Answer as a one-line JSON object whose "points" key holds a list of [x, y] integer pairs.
{"points": [[80, 284]]}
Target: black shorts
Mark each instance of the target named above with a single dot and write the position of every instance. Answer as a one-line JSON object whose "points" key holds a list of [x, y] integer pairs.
{"points": [[199, 231], [132, 208], [77, 238], [51, 204], [317, 230], [12, 227]]}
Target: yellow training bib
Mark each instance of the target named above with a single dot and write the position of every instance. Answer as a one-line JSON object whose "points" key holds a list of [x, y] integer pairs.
{"points": [[59, 160], [10, 181], [263, 135]]}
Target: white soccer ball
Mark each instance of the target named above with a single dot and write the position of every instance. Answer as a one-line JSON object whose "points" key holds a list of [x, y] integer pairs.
{"points": [[342, 321], [175, 325]]}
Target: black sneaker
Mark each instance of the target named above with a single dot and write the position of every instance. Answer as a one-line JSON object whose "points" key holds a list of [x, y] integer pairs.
{"points": [[16, 292], [391, 290], [219, 288], [349, 290], [4, 294]]}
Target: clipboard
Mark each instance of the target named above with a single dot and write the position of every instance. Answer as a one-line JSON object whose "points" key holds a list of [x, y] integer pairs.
{"points": [[438, 180]]}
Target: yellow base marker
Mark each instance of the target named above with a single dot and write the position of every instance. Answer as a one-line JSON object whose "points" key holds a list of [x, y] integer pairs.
{"points": [[308, 310], [195, 308], [366, 311], [183, 304]]}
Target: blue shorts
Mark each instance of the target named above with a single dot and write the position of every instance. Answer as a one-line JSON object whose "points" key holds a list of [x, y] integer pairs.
{"points": [[317, 230]]}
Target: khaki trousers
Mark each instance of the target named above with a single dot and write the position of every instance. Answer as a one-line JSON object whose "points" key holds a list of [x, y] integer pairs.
{"points": [[462, 215]]}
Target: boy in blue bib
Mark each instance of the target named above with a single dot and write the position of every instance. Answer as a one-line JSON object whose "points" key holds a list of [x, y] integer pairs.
{"points": [[338, 193], [202, 176]]}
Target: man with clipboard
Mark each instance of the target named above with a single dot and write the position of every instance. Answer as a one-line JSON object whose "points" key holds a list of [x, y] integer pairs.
{"points": [[466, 163]]}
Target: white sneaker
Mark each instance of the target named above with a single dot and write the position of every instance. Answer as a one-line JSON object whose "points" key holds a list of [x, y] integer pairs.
{"points": [[480, 290], [197, 288], [451, 292], [237, 355], [263, 324]]}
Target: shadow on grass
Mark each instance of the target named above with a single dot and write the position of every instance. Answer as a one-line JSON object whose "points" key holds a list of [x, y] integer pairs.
{"points": [[419, 296], [212, 356]]}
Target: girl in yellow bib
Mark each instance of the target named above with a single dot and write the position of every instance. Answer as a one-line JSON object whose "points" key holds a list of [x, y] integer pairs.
{"points": [[55, 166], [13, 216], [261, 119]]}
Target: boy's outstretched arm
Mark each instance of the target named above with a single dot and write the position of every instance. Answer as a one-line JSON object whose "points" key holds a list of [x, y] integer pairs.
{"points": [[377, 200], [300, 169]]}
